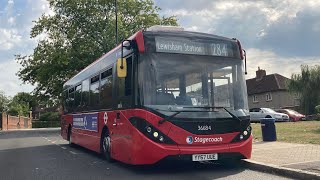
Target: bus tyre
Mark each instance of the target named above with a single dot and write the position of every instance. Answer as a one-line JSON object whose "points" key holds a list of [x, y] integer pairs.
{"points": [[106, 147], [70, 136]]}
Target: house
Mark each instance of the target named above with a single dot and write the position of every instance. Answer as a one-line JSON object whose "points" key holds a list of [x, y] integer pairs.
{"points": [[270, 91]]}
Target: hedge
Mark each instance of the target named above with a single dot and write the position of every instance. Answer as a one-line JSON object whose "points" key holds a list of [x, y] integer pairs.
{"points": [[45, 124]]}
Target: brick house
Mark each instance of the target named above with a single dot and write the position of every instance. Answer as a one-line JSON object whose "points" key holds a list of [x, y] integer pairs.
{"points": [[270, 91]]}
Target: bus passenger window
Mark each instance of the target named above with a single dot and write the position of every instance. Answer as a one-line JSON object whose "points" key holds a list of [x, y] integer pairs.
{"points": [[70, 100], [94, 91], [85, 95], [77, 97], [65, 98], [125, 86], [106, 89]]}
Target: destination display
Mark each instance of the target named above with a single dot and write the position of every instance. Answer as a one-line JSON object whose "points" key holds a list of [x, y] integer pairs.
{"points": [[86, 121], [186, 46]]}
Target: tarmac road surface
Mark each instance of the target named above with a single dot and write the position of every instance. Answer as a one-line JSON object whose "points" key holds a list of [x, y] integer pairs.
{"points": [[45, 155]]}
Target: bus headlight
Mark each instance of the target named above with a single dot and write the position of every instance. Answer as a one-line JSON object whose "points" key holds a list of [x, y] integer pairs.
{"points": [[244, 134], [150, 131], [155, 134]]}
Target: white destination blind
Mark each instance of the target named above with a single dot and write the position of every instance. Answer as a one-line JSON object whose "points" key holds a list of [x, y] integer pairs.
{"points": [[185, 46]]}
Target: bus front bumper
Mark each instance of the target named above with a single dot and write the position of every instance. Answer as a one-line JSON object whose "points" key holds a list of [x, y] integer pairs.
{"points": [[154, 152]]}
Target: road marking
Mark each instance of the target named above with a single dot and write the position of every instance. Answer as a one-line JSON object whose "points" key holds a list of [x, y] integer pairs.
{"points": [[73, 152], [63, 147]]}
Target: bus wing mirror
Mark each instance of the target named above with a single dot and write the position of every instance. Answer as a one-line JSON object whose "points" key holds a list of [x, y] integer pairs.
{"points": [[122, 68]]}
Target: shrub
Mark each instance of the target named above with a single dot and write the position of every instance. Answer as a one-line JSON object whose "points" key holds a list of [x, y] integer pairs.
{"points": [[49, 116], [317, 108], [45, 124]]}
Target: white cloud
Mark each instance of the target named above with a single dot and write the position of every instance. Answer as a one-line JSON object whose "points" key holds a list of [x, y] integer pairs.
{"points": [[10, 84], [274, 63], [8, 38], [15, 26], [12, 20]]}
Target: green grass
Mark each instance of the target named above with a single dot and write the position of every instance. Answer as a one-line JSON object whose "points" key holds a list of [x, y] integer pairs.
{"points": [[304, 132]]}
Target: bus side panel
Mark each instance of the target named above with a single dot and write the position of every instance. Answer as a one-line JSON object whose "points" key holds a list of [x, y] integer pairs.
{"points": [[121, 135], [87, 139], [66, 120]]}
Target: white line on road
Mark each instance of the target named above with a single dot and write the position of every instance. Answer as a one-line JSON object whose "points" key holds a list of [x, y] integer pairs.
{"points": [[63, 147], [73, 152]]}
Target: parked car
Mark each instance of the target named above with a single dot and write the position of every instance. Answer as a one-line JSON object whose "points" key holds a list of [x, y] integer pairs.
{"points": [[256, 114], [293, 115]]}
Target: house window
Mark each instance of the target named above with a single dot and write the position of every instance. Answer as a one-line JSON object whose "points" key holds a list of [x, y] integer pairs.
{"points": [[255, 98], [268, 97]]}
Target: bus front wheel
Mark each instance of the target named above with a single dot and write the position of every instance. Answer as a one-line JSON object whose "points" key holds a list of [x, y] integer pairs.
{"points": [[106, 147], [70, 136]]}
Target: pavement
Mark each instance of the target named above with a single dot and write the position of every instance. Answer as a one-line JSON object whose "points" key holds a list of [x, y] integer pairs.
{"points": [[296, 160], [45, 155]]}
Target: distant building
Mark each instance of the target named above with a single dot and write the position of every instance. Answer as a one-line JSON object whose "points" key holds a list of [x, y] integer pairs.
{"points": [[270, 91]]}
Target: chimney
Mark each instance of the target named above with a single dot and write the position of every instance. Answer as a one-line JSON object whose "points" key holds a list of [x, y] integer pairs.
{"points": [[260, 73]]}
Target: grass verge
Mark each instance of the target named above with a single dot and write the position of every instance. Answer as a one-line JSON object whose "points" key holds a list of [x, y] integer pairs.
{"points": [[304, 132]]}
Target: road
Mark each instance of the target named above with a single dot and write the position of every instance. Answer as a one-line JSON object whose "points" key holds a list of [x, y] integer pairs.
{"points": [[45, 155]]}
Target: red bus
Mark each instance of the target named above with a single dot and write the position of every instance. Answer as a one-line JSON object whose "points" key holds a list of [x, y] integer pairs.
{"points": [[164, 93]]}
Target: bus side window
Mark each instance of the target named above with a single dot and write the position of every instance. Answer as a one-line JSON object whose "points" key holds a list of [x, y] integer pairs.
{"points": [[85, 95], [94, 92], [70, 100], [65, 97], [106, 89], [125, 87], [77, 97]]}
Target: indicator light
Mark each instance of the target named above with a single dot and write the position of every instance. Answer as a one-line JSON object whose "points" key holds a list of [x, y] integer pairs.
{"points": [[241, 137], [161, 138]]}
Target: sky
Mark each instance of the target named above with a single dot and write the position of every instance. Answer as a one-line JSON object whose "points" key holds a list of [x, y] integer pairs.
{"points": [[278, 35]]}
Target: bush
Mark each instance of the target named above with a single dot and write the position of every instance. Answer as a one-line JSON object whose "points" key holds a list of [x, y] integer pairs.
{"points": [[317, 108], [50, 116], [45, 124]]}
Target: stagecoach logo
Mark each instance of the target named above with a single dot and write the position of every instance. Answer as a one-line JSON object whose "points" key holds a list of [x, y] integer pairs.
{"points": [[189, 140], [105, 118]]}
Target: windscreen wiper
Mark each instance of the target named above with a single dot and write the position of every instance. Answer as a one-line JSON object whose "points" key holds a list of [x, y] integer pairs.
{"points": [[197, 107], [217, 107], [169, 118]]}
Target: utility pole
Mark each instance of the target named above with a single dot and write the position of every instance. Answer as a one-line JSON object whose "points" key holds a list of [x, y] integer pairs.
{"points": [[116, 11]]}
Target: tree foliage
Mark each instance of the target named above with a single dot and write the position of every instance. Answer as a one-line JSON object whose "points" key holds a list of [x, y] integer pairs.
{"points": [[21, 104], [78, 33], [307, 84], [4, 101]]}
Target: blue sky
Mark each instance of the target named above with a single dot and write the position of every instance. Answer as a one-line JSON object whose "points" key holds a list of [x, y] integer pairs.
{"points": [[279, 35]]}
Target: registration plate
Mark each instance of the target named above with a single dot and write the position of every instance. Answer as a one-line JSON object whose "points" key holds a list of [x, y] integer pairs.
{"points": [[204, 157]]}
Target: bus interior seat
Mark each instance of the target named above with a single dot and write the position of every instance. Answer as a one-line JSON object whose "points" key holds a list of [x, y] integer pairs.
{"points": [[184, 100], [165, 98]]}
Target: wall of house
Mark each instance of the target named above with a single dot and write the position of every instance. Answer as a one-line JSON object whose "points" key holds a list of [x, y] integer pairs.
{"points": [[280, 99]]}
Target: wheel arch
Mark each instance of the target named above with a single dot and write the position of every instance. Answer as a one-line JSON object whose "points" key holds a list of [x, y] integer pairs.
{"points": [[104, 130]]}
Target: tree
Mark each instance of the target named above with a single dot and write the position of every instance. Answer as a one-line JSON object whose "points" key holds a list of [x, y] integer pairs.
{"points": [[21, 104], [3, 102], [78, 33], [307, 84]]}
